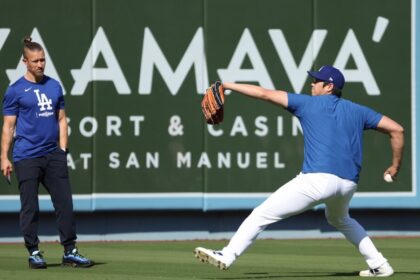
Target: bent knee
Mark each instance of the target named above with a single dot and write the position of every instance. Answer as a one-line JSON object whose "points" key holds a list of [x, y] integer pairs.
{"points": [[339, 222]]}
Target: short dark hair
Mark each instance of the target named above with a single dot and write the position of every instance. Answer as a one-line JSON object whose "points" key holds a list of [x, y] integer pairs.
{"points": [[29, 45], [336, 91]]}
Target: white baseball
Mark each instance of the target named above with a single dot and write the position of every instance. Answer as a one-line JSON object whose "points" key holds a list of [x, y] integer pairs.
{"points": [[388, 178]]}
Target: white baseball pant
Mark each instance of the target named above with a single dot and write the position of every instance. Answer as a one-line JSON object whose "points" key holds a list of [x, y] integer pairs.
{"points": [[298, 195]]}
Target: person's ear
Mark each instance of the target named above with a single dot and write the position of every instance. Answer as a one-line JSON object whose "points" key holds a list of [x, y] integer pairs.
{"points": [[330, 87]]}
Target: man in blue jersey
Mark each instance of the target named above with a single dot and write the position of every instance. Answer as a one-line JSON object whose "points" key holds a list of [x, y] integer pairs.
{"points": [[333, 134], [33, 110]]}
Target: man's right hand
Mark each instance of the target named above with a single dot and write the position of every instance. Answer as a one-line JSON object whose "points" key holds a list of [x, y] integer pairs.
{"points": [[6, 167]]}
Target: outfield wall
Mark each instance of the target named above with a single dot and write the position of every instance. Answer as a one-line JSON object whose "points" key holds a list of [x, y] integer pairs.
{"points": [[190, 225], [134, 73]]}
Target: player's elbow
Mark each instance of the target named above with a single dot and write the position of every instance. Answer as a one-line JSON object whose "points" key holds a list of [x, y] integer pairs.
{"points": [[263, 94], [398, 130], [397, 134]]}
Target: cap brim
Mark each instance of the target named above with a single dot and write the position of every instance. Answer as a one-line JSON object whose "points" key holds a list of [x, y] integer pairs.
{"points": [[314, 74]]}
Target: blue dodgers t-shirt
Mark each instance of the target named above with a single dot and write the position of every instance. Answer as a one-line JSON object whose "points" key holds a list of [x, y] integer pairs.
{"points": [[36, 107], [333, 133]]}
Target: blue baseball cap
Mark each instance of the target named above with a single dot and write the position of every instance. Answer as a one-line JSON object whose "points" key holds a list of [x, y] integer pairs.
{"points": [[329, 74]]}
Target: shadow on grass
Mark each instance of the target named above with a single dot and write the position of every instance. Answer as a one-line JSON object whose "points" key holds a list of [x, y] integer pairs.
{"points": [[69, 267], [279, 275]]}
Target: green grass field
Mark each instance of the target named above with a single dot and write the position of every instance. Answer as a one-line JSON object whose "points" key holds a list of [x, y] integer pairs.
{"points": [[266, 259]]}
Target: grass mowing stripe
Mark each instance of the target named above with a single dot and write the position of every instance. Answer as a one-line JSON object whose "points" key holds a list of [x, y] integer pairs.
{"points": [[266, 259]]}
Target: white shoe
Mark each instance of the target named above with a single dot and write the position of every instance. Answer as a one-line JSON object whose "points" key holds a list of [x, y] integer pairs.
{"points": [[384, 270], [212, 257]]}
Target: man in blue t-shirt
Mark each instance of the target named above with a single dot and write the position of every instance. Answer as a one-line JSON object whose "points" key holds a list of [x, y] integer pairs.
{"points": [[33, 110], [333, 135]]}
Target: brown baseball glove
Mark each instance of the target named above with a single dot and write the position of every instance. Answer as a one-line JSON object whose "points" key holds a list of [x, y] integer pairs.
{"points": [[213, 102]]}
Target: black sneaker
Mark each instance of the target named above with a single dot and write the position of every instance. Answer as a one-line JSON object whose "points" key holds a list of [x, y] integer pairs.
{"points": [[36, 260], [74, 259]]}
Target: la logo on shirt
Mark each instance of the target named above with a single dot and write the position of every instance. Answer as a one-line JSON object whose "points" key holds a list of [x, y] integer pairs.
{"points": [[43, 101]]}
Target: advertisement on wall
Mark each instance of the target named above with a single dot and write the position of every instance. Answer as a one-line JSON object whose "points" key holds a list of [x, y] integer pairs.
{"points": [[134, 76]]}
